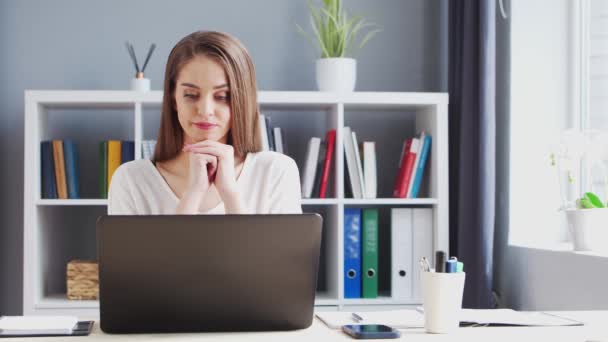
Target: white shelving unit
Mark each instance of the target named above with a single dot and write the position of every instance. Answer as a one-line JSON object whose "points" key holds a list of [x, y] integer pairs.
{"points": [[425, 111]]}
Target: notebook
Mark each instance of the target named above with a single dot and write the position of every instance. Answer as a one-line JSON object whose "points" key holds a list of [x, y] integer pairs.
{"points": [[34, 325], [400, 319]]}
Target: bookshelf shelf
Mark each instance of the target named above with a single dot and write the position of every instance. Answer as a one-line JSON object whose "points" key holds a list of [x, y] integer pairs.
{"points": [[57, 230]]}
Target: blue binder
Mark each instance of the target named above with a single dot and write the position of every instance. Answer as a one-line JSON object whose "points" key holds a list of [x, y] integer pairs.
{"points": [[127, 151], [49, 189], [352, 253]]}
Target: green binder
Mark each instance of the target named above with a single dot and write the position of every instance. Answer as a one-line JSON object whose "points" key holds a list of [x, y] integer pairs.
{"points": [[370, 253]]}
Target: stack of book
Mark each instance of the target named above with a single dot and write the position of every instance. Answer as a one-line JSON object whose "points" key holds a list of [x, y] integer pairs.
{"points": [[60, 170], [317, 166], [361, 178], [273, 138], [414, 155], [112, 153]]}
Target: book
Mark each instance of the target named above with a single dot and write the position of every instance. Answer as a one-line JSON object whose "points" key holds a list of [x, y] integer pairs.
{"points": [[72, 171], [59, 161], [369, 169], [34, 325], [127, 151], [114, 157], [351, 163], [330, 140], [263, 133], [270, 134], [49, 189], [103, 169], [424, 155], [359, 164], [406, 167], [414, 168], [316, 190], [369, 253], [278, 139], [352, 253], [310, 166]]}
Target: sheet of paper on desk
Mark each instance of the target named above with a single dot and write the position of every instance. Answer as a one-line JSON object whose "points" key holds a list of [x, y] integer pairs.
{"points": [[394, 318], [25, 325], [512, 317]]}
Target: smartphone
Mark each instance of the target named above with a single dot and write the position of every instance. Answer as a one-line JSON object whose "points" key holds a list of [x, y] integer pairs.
{"points": [[371, 331]]}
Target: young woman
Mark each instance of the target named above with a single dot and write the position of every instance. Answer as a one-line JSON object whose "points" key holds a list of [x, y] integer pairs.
{"points": [[208, 157]]}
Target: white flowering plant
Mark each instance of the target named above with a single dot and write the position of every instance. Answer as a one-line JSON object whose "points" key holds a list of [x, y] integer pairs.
{"points": [[578, 148]]}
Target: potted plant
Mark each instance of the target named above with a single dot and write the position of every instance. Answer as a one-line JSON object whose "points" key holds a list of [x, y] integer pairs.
{"points": [[586, 215], [336, 36]]}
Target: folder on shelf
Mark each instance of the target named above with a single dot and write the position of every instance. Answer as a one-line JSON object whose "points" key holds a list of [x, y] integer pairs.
{"points": [[263, 133], [359, 165], [49, 189], [406, 167], [424, 154], [278, 139], [415, 166], [369, 253], [352, 253], [401, 253], [59, 160], [72, 171], [422, 236]]}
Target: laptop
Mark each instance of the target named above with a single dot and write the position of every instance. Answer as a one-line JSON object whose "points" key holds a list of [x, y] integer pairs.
{"points": [[194, 273]]}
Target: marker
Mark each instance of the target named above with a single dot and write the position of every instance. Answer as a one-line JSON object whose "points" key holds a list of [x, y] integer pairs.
{"points": [[450, 265], [440, 262]]}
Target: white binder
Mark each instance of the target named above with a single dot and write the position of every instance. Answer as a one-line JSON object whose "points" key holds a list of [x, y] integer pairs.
{"points": [[401, 247], [422, 224]]}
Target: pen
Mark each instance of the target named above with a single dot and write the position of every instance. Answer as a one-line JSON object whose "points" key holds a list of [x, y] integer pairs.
{"points": [[440, 262], [357, 318]]}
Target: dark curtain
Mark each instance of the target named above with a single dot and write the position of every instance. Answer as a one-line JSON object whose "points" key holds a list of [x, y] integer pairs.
{"points": [[472, 140]]}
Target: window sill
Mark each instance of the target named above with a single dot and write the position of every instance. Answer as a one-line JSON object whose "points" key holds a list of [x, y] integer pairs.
{"points": [[562, 248]]}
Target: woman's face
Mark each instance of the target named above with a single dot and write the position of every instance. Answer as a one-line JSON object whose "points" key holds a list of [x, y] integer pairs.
{"points": [[202, 100]]}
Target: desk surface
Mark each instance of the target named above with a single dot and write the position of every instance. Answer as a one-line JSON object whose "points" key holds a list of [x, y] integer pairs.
{"points": [[595, 329]]}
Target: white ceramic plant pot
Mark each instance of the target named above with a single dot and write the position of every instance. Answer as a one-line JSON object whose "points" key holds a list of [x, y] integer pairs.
{"points": [[336, 74], [588, 229]]}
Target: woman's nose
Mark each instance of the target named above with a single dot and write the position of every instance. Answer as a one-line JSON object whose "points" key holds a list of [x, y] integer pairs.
{"points": [[205, 107]]}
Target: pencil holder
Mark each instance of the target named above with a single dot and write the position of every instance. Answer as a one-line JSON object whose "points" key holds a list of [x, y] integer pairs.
{"points": [[442, 300], [140, 83]]}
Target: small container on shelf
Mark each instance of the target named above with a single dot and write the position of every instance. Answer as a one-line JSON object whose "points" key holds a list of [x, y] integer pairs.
{"points": [[82, 280]]}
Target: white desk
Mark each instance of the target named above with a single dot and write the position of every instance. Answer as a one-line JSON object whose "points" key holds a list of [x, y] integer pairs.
{"points": [[595, 329]]}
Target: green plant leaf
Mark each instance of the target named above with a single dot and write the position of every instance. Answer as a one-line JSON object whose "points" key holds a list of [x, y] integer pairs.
{"points": [[368, 36], [584, 203], [594, 200]]}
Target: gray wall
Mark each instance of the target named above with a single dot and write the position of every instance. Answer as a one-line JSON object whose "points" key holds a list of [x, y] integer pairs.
{"points": [[66, 44]]}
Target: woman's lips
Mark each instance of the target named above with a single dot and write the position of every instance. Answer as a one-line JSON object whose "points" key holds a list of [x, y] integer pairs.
{"points": [[205, 125]]}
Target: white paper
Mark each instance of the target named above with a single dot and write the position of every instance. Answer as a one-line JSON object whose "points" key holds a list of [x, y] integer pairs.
{"points": [[399, 319], [25, 325], [512, 317]]}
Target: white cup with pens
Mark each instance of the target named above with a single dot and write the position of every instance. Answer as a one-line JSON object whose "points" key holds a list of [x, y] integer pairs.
{"points": [[442, 290]]}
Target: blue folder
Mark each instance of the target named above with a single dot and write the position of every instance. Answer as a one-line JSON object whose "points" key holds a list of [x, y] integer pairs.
{"points": [[352, 253]]}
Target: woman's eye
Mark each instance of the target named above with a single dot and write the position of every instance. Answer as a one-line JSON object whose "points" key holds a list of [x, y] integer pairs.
{"points": [[223, 97], [192, 96]]}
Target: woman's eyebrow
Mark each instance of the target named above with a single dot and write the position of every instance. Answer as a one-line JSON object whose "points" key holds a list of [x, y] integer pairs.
{"points": [[197, 87]]}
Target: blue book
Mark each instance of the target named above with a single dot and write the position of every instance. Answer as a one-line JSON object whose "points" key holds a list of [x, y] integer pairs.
{"points": [[72, 171], [49, 188], [352, 253], [426, 148], [127, 151]]}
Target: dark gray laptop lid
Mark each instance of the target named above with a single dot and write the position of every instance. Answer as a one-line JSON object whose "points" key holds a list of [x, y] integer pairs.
{"points": [[175, 273]]}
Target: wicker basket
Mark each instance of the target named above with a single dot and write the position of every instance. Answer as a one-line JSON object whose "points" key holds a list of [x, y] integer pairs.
{"points": [[83, 280]]}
